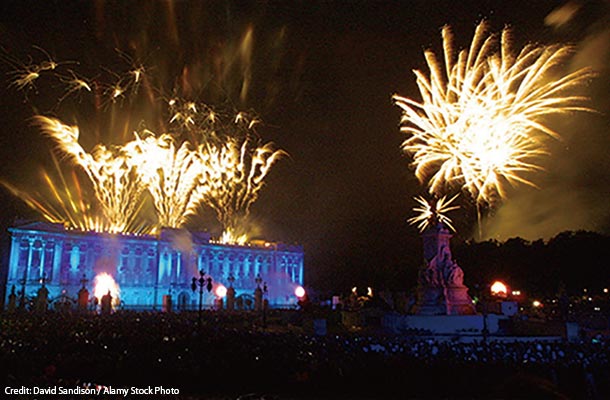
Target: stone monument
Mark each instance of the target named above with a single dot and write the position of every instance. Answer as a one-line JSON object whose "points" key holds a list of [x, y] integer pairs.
{"points": [[440, 286]]}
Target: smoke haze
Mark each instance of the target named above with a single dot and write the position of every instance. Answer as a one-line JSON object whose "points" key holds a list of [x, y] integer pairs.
{"points": [[573, 191]]}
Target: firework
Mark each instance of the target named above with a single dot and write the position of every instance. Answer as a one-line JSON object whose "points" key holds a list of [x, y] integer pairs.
{"points": [[234, 174], [197, 122], [430, 213], [480, 122], [171, 175], [74, 85], [64, 200], [112, 172], [201, 157], [24, 75], [231, 164]]}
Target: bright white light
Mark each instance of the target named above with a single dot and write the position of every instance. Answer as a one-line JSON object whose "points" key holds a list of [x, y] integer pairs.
{"points": [[536, 303], [299, 292], [104, 283], [516, 293], [498, 288], [221, 291]]}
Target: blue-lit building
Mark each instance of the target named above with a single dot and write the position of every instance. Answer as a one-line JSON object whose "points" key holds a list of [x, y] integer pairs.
{"points": [[148, 268]]}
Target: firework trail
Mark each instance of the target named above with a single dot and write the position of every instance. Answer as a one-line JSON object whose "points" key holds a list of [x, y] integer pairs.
{"points": [[481, 121], [231, 162], [204, 157], [112, 172], [170, 173], [65, 203], [23, 77], [234, 174]]}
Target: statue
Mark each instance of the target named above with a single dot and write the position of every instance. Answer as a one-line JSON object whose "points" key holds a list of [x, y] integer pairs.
{"points": [[429, 276], [455, 276], [441, 289]]}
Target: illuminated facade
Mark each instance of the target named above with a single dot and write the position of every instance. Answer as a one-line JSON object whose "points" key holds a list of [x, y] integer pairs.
{"points": [[147, 268]]}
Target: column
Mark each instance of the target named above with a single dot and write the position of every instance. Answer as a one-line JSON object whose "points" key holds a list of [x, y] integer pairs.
{"points": [[14, 259], [57, 256]]}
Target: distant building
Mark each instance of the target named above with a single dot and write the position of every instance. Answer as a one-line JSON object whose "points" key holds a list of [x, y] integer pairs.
{"points": [[147, 268]]}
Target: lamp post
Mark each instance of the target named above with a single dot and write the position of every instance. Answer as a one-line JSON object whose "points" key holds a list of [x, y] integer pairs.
{"points": [[201, 282], [486, 298], [485, 331]]}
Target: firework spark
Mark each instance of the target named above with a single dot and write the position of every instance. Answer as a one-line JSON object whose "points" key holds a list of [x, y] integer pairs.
{"points": [[171, 174], [112, 172], [63, 200], [430, 213], [74, 85], [480, 122], [234, 174], [201, 157], [231, 162]]}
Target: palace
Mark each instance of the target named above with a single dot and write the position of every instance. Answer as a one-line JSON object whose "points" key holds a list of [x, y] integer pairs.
{"points": [[147, 268]]}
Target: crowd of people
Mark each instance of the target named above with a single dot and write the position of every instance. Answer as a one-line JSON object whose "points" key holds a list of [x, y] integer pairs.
{"points": [[228, 354]]}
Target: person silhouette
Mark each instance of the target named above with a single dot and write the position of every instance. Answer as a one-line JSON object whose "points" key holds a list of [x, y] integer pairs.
{"points": [[106, 303]]}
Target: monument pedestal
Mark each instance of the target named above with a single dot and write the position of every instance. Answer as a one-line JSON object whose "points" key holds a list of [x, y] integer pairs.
{"points": [[440, 288], [458, 301], [429, 301], [454, 325]]}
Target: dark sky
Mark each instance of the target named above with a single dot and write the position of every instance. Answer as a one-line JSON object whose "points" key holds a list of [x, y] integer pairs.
{"points": [[321, 77]]}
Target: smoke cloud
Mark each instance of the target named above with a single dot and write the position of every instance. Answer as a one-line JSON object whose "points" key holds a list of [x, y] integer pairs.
{"points": [[574, 189]]}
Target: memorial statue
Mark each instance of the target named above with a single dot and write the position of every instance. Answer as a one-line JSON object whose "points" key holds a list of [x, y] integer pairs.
{"points": [[441, 289]]}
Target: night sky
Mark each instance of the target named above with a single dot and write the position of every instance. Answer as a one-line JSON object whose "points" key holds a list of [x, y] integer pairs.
{"points": [[321, 75]]}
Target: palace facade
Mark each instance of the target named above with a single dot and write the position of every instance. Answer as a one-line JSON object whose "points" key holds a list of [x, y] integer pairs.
{"points": [[148, 269]]}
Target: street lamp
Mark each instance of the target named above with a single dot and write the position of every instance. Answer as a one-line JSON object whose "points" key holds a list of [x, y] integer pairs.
{"points": [[299, 292], [201, 282]]}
